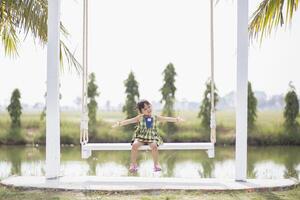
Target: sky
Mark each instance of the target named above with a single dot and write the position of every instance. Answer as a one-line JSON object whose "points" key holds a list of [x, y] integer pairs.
{"points": [[144, 36]]}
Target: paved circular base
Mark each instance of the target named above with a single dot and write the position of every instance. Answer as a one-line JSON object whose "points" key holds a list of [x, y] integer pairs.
{"points": [[140, 183]]}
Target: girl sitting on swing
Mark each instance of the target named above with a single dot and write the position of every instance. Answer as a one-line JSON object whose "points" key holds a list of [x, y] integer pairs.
{"points": [[146, 133]]}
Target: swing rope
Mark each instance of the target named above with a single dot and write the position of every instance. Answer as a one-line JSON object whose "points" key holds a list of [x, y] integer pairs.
{"points": [[212, 81]]}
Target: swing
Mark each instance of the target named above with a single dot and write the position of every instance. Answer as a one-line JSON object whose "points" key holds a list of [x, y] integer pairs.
{"points": [[87, 148]]}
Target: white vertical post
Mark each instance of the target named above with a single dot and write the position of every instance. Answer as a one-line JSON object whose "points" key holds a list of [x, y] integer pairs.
{"points": [[52, 100], [212, 77], [242, 91]]}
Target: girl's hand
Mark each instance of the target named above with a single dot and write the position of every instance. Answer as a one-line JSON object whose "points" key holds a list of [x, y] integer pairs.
{"points": [[116, 124], [179, 119]]}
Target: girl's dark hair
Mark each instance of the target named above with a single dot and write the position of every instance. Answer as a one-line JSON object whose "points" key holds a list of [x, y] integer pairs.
{"points": [[141, 104]]}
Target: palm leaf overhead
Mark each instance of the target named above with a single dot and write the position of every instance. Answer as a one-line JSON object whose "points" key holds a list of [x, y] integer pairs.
{"points": [[29, 16], [269, 15]]}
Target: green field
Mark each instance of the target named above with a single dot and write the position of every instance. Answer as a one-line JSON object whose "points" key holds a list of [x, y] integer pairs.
{"points": [[269, 129]]}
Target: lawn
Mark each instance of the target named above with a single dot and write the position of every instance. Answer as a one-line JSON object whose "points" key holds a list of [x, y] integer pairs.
{"points": [[14, 194]]}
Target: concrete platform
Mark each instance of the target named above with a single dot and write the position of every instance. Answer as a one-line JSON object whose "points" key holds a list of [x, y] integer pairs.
{"points": [[93, 183]]}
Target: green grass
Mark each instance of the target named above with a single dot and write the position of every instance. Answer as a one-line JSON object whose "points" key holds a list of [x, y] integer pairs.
{"points": [[14, 194], [268, 131]]}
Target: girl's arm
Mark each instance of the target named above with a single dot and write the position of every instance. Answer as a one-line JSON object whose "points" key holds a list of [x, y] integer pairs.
{"points": [[169, 119], [128, 121]]}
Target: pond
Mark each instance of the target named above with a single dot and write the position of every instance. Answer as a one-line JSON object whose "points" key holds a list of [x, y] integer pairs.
{"points": [[263, 162]]}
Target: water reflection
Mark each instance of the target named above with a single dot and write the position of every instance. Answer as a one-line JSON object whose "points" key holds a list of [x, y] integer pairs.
{"points": [[263, 162]]}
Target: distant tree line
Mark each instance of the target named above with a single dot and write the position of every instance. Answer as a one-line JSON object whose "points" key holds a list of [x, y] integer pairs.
{"points": [[291, 109]]}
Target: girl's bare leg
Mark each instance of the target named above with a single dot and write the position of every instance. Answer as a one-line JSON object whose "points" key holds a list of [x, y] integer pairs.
{"points": [[134, 151], [154, 151]]}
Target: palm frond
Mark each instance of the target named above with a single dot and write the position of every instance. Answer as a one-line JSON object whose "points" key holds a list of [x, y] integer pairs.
{"points": [[10, 39], [29, 17], [269, 15], [69, 56]]}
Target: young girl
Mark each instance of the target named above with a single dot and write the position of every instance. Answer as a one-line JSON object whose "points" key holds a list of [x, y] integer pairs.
{"points": [[146, 132]]}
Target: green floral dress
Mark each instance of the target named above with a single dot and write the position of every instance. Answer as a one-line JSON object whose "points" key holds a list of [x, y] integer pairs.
{"points": [[145, 134]]}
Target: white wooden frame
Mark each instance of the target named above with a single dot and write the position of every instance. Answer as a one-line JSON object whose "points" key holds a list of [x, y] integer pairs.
{"points": [[53, 120]]}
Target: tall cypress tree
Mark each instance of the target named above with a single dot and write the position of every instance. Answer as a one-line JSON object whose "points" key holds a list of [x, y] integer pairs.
{"points": [[92, 93], [205, 108], [252, 107], [291, 109], [168, 96], [15, 109], [132, 96]]}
